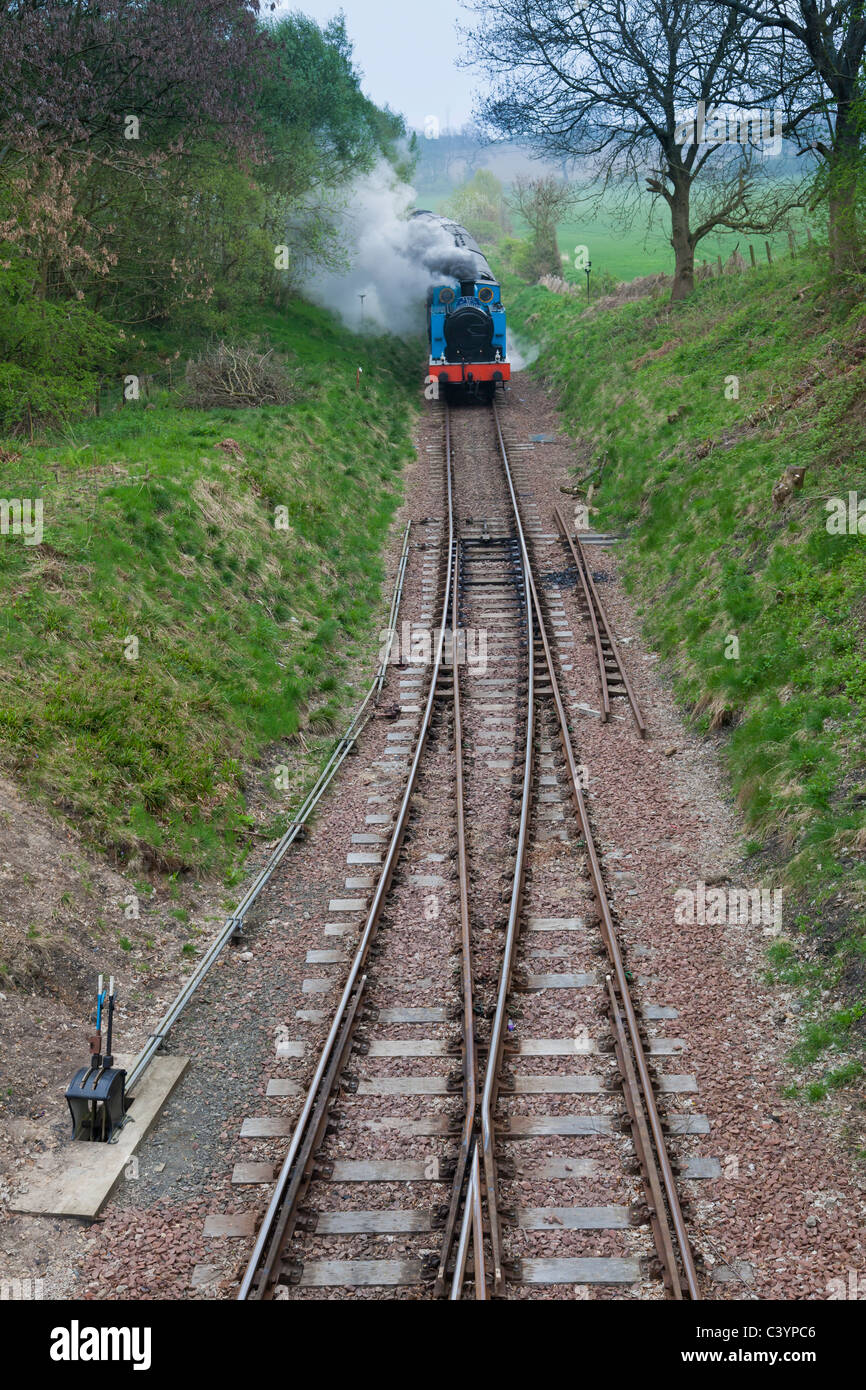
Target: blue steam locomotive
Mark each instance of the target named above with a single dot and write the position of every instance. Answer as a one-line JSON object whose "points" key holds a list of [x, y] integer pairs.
{"points": [[468, 353]]}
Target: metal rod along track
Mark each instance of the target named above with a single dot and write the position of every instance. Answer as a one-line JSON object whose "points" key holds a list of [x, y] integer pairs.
{"points": [[497, 1036], [466, 1179]]}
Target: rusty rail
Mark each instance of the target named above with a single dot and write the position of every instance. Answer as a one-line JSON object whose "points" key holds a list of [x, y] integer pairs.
{"points": [[497, 1036], [280, 1218], [610, 663], [466, 1186], [649, 1134]]}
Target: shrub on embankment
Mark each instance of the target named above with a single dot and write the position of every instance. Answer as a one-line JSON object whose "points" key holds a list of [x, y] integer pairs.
{"points": [[171, 623], [688, 415]]}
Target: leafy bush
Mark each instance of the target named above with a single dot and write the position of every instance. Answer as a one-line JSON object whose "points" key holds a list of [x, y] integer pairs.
{"points": [[53, 354]]}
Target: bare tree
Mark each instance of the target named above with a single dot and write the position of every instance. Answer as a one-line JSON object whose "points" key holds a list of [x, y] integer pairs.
{"points": [[542, 203], [613, 80], [816, 67]]}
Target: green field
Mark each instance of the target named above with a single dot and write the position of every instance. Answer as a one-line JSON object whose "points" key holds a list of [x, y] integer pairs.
{"points": [[625, 252]]}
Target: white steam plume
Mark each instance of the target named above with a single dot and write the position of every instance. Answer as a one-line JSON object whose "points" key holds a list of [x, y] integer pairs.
{"points": [[521, 354], [391, 259]]}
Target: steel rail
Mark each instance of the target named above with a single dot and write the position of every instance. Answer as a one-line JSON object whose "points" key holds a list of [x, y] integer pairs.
{"points": [[632, 698], [643, 1144], [612, 945], [234, 923], [596, 606], [599, 654], [287, 1215], [497, 1035], [470, 1061], [394, 609], [472, 1226], [260, 1269], [478, 1230]]}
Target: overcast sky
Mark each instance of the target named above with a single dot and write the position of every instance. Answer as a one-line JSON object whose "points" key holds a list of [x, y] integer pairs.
{"points": [[406, 51]]}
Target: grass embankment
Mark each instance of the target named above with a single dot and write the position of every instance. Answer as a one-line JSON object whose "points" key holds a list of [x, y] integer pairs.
{"points": [[245, 632], [645, 389]]}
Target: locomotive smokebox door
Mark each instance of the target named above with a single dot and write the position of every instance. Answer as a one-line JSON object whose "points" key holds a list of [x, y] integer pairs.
{"points": [[96, 1097]]}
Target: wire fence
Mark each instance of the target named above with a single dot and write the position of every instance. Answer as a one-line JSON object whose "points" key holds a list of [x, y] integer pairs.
{"points": [[706, 270]]}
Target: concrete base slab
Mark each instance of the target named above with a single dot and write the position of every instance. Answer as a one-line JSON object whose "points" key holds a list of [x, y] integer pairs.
{"points": [[78, 1179]]}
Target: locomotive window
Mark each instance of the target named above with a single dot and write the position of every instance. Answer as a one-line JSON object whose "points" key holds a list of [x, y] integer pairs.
{"points": [[485, 295], [446, 296]]}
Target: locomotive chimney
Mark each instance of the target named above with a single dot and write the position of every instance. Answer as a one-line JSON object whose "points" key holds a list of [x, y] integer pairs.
{"points": [[467, 288]]}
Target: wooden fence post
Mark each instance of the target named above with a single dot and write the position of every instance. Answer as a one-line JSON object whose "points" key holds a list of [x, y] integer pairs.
{"points": [[791, 244], [752, 254], [769, 253]]}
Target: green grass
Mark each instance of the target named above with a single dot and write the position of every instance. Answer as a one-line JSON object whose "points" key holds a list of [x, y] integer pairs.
{"points": [[839, 1079], [690, 472], [831, 1032], [245, 632]]}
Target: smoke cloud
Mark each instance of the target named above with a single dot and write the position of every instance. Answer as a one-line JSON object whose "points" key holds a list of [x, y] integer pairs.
{"points": [[521, 354], [392, 259]]}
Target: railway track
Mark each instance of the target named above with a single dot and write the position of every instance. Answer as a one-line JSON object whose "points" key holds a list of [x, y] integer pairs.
{"points": [[612, 676], [460, 1069]]}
